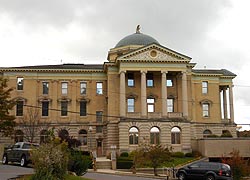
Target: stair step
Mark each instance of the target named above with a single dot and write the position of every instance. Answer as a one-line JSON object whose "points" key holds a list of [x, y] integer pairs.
{"points": [[103, 163]]}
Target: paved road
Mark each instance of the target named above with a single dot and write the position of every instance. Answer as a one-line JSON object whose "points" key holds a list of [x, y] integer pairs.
{"points": [[11, 171]]}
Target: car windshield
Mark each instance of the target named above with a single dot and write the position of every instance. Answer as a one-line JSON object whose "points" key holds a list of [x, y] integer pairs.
{"points": [[28, 146], [225, 167]]}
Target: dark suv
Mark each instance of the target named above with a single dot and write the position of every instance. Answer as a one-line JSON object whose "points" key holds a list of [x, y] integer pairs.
{"points": [[205, 170]]}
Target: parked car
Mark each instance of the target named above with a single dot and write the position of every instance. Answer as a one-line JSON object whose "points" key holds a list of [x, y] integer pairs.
{"points": [[19, 152], [206, 171]]}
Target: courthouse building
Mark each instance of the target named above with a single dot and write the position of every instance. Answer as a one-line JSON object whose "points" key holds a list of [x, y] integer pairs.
{"points": [[143, 93]]}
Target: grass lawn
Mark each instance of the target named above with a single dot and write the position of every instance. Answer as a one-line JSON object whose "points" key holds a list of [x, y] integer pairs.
{"points": [[68, 177], [179, 161]]}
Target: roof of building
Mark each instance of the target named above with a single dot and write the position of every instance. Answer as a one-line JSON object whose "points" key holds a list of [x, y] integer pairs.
{"points": [[137, 38], [214, 71], [63, 66]]}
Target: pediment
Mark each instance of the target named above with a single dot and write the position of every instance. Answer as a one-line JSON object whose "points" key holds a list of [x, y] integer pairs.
{"points": [[154, 53]]}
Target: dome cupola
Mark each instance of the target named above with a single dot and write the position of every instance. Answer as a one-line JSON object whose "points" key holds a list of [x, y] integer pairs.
{"points": [[137, 38]]}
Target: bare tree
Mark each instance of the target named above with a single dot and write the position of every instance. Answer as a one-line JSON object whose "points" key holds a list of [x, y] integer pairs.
{"points": [[32, 123]]}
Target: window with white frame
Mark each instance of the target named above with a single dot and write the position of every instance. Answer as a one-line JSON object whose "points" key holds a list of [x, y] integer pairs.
{"points": [[175, 135], [19, 107], [133, 135], [82, 137], [169, 83], [45, 88], [150, 80], [205, 110], [151, 104], [20, 83], [99, 116], [64, 108], [207, 133], [99, 88], [45, 108], [131, 80], [131, 104], [19, 135], [64, 88], [204, 87], [83, 88], [170, 104], [154, 135], [83, 108], [44, 136]]}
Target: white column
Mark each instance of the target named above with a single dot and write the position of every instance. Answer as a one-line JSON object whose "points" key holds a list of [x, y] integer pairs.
{"points": [[122, 94], [231, 102], [164, 93], [184, 94], [225, 102], [143, 94]]}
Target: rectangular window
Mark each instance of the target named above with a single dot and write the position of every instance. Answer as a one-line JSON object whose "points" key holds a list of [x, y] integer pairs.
{"points": [[64, 108], [151, 105], [19, 83], [150, 80], [131, 80], [204, 87], [205, 109], [45, 108], [83, 108], [99, 88], [64, 88], [169, 83], [83, 88], [19, 108], [99, 116], [99, 129], [170, 103], [45, 88], [131, 105]]}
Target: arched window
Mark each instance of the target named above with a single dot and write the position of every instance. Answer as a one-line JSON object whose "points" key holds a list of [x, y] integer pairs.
{"points": [[154, 135], [19, 136], [63, 134], [133, 135], [206, 133], [82, 137], [44, 136], [175, 135]]}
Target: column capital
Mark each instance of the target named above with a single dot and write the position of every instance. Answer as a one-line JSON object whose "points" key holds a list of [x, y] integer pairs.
{"points": [[164, 72], [121, 72], [144, 71]]}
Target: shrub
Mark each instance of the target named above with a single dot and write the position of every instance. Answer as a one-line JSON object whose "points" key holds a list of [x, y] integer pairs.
{"points": [[188, 155], [124, 154], [50, 161], [178, 154], [124, 163], [226, 134], [238, 165], [78, 163]]}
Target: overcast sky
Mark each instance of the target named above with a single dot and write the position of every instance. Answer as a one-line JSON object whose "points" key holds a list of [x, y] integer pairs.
{"points": [[215, 33]]}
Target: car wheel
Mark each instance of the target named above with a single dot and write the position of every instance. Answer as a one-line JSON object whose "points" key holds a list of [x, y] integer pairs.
{"points": [[5, 159], [210, 177], [23, 161], [182, 176]]}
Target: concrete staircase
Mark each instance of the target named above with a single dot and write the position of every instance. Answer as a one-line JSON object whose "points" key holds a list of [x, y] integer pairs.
{"points": [[103, 163]]}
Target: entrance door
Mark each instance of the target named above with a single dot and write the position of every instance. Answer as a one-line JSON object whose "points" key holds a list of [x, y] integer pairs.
{"points": [[99, 147]]}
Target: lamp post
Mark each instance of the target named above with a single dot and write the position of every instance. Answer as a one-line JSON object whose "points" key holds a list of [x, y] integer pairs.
{"points": [[93, 155]]}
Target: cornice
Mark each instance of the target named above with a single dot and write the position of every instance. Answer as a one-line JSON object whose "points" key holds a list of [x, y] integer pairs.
{"points": [[49, 70]]}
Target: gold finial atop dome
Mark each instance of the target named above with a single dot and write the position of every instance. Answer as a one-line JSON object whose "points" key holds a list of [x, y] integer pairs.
{"points": [[138, 29]]}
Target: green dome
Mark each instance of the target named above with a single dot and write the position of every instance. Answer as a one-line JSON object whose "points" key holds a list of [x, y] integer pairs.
{"points": [[136, 39]]}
